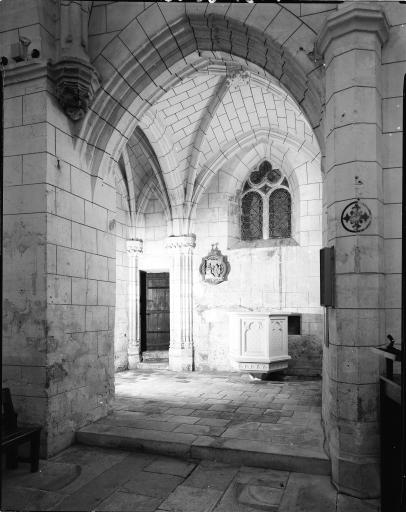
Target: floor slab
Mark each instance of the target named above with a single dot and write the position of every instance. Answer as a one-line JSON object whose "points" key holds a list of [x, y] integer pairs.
{"points": [[140, 482], [227, 417]]}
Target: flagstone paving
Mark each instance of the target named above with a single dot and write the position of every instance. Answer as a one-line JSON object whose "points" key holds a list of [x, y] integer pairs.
{"points": [[86, 478], [225, 417]]}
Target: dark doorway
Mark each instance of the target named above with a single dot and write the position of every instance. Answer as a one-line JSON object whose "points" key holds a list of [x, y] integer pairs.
{"points": [[154, 306]]}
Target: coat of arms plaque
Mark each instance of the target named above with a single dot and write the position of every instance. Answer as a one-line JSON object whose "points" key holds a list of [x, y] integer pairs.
{"points": [[214, 268]]}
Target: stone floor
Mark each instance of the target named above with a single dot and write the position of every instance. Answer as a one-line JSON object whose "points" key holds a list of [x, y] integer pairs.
{"points": [[91, 478], [225, 417]]}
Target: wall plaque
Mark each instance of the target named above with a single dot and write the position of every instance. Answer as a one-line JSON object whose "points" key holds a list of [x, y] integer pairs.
{"points": [[214, 268], [356, 217]]}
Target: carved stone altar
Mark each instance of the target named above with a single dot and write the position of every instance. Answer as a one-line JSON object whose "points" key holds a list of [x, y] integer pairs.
{"points": [[258, 342]]}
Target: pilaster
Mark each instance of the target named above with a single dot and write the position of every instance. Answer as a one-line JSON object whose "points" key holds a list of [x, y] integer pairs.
{"points": [[350, 42], [181, 355], [134, 249]]}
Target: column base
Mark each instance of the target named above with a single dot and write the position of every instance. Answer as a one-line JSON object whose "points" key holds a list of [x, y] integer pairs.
{"points": [[134, 358], [181, 360], [357, 478]]}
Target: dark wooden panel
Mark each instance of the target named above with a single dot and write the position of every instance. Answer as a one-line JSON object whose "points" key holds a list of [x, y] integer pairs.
{"points": [[158, 299], [156, 334], [390, 426], [391, 390]]}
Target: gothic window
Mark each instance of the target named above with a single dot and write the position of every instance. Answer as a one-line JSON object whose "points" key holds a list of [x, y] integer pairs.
{"points": [[279, 214], [266, 205], [252, 216]]}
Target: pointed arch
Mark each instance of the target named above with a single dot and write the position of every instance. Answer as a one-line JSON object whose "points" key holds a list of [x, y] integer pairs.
{"points": [[152, 158], [280, 143], [147, 192], [125, 167], [144, 75], [159, 140]]}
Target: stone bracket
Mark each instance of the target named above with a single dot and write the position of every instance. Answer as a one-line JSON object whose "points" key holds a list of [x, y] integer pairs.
{"points": [[76, 83]]}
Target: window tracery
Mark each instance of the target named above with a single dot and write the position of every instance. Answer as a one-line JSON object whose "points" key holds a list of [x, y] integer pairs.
{"points": [[266, 205]]}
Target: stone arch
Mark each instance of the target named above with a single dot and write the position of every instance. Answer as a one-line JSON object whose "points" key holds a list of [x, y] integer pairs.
{"points": [[291, 155], [145, 73], [271, 137], [123, 201], [151, 188], [156, 132], [153, 160], [128, 182]]}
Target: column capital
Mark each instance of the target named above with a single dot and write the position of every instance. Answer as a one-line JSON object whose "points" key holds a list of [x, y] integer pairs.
{"points": [[181, 242], [135, 246], [354, 17]]}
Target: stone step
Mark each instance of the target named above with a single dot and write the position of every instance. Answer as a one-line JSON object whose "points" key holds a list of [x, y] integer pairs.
{"points": [[157, 364], [155, 355], [105, 433]]}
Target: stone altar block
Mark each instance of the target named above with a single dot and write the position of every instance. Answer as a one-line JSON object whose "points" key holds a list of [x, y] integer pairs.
{"points": [[258, 342]]}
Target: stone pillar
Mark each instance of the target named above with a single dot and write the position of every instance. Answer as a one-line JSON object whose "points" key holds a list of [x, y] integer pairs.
{"points": [[350, 42], [181, 302], [134, 249]]}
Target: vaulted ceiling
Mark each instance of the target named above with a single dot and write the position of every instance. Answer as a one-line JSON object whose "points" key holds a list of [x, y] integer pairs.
{"points": [[211, 110]]}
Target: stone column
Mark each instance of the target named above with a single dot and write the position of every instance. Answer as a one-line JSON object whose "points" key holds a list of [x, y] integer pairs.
{"points": [[134, 249], [181, 302], [350, 42]]}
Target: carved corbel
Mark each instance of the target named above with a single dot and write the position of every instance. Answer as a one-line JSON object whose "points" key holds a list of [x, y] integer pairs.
{"points": [[76, 83], [76, 80]]}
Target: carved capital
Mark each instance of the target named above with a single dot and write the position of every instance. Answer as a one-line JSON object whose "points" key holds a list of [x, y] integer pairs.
{"points": [[354, 17], [181, 242], [135, 246], [76, 83]]}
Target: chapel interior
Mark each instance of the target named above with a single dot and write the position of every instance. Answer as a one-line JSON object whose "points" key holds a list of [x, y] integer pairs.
{"points": [[202, 201]]}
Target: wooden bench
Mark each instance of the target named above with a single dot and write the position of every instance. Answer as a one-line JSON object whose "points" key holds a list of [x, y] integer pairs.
{"points": [[12, 435]]}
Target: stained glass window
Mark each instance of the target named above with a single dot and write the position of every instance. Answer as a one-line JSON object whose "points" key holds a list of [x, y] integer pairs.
{"points": [[251, 216], [265, 204], [279, 214], [265, 171]]}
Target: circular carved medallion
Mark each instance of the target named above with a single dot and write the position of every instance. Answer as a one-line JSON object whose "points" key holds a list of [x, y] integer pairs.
{"points": [[356, 217]]}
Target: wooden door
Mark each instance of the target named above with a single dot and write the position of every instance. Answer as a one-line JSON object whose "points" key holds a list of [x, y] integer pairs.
{"points": [[154, 311]]}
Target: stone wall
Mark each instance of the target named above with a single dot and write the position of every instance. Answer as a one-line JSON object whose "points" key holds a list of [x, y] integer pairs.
{"points": [[59, 286], [268, 276], [59, 289], [278, 278]]}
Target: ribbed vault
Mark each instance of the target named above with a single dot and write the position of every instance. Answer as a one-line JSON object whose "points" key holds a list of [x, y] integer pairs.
{"points": [[200, 89], [141, 74]]}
